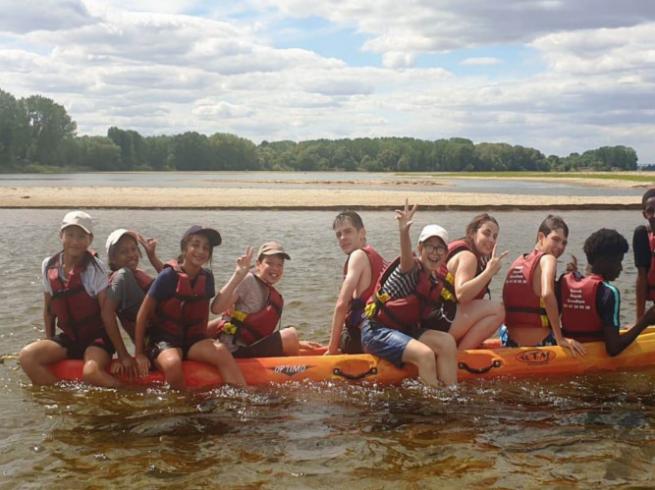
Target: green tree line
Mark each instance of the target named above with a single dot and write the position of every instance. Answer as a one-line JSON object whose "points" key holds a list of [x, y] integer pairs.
{"points": [[36, 133]]}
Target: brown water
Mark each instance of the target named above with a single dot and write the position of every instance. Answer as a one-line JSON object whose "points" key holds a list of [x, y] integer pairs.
{"points": [[579, 432]]}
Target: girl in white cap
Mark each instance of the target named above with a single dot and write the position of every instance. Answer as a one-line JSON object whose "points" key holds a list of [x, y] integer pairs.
{"points": [[410, 293], [74, 283], [128, 285]]}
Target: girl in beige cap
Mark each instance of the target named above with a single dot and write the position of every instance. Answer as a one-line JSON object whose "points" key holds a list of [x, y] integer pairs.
{"points": [[74, 283]]}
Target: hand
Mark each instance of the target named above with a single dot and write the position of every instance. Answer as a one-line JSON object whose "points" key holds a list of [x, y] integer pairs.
{"points": [[495, 263], [126, 366], [244, 262], [576, 348], [405, 216], [143, 365], [573, 265]]}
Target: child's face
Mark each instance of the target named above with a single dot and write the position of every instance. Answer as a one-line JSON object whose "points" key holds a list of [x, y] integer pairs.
{"points": [[75, 241], [349, 237], [485, 238], [126, 253], [554, 243], [271, 268], [432, 253], [197, 251], [649, 212]]}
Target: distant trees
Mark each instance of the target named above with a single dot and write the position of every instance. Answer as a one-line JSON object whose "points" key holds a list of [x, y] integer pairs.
{"points": [[36, 130]]}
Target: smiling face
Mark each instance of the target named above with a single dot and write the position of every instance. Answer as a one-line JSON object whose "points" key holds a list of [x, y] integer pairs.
{"points": [[349, 237], [432, 253], [270, 268], [554, 243], [485, 237], [197, 250], [75, 241], [125, 253]]}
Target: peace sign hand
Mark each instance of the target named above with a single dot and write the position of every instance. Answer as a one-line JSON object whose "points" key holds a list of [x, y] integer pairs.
{"points": [[405, 216], [244, 262], [495, 263]]}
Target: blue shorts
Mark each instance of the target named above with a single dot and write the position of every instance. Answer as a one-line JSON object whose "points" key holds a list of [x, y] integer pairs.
{"points": [[506, 341], [387, 343]]}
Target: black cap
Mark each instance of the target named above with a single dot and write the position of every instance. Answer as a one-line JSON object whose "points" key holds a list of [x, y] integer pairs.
{"points": [[212, 235]]}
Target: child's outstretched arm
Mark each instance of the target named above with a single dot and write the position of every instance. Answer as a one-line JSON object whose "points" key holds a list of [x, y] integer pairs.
{"points": [[225, 299], [405, 218], [127, 364]]}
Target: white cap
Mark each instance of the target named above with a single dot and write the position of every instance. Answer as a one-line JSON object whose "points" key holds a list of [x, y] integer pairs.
{"points": [[116, 235], [433, 230], [78, 218]]}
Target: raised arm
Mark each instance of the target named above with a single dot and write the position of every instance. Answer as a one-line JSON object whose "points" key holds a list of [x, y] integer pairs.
{"points": [[225, 298], [405, 218], [467, 284], [150, 246]]}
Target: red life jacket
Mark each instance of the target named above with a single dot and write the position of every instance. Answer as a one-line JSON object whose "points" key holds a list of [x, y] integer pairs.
{"points": [[355, 313], [651, 272], [458, 246], [185, 314], [522, 306], [580, 318], [78, 313], [251, 327], [128, 318], [410, 311]]}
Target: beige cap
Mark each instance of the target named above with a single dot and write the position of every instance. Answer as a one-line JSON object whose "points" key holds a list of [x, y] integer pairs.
{"points": [[78, 218], [272, 248], [433, 230], [115, 236]]}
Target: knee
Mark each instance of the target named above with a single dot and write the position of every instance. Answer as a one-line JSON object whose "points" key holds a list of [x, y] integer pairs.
{"points": [[222, 352], [26, 356], [170, 366], [290, 338], [90, 371], [447, 345]]}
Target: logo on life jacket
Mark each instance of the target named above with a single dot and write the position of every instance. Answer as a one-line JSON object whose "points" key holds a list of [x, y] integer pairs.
{"points": [[535, 357]]}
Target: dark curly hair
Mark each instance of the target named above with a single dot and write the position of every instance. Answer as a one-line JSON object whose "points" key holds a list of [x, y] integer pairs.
{"points": [[605, 243]]}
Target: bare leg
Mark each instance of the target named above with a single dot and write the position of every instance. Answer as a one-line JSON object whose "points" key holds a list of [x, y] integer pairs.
{"points": [[94, 371], [290, 343], [444, 347], [35, 357], [422, 356], [475, 322], [169, 362], [218, 355]]}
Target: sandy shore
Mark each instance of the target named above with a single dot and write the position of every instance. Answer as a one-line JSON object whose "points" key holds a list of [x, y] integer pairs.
{"points": [[231, 198]]}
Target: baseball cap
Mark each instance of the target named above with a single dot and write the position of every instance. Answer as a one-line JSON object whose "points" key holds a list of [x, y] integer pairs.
{"points": [[212, 235], [272, 248], [115, 236], [78, 218], [433, 230]]}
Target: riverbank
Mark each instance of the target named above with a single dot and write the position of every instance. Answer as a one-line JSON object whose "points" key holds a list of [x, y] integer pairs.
{"points": [[272, 198]]}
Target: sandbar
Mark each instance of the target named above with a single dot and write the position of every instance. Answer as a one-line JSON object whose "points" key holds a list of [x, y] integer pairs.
{"points": [[284, 198]]}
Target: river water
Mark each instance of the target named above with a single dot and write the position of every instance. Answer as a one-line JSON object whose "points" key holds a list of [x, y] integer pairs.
{"points": [[593, 431]]}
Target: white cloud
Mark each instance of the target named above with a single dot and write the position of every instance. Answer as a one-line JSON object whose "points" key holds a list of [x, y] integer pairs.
{"points": [[481, 61]]}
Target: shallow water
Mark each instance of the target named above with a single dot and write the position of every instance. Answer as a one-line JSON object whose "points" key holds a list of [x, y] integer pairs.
{"points": [[583, 432]]}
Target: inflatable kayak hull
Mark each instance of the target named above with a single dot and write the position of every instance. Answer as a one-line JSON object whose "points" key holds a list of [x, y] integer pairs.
{"points": [[489, 362]]}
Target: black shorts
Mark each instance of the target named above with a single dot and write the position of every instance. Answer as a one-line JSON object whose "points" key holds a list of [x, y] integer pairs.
{"points": [[270, 346], [351, 341], [75, 349], [160, 343]]}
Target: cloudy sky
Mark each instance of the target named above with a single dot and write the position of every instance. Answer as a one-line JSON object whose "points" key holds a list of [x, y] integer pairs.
{"points": [[558, 75]]}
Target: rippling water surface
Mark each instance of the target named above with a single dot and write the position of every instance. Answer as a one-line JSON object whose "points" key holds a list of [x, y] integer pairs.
{"points": [[594, 431]]}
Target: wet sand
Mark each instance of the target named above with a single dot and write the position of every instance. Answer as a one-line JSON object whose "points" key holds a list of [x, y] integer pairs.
{"points": [[233, 198]]}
